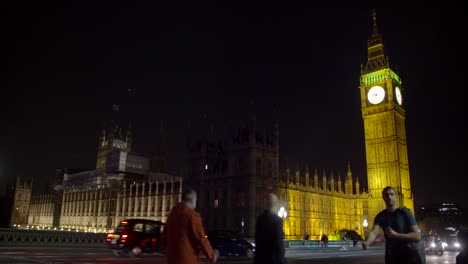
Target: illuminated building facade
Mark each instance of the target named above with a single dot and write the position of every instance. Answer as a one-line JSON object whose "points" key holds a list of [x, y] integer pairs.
{"points": [[122, 186], [101, 205], [383, 112], [234, 172], [320, 205], [21, 202], [104, 205]]}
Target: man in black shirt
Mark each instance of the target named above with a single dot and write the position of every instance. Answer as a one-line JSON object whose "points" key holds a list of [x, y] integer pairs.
{"points": [[399, 227]]}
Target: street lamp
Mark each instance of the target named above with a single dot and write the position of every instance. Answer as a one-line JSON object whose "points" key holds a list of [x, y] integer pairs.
{"points": [[283, 214], [365, 224], [242, 226]]}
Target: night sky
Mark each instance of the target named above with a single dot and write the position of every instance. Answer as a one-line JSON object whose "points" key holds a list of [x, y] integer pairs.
{"points": [[300, 65]]}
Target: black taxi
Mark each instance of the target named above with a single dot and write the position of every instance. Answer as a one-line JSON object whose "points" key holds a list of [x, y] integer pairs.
{"points": [[136, 236]]}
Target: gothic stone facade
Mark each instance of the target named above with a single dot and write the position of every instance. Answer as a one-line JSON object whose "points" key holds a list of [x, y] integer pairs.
{"points": [[233, 173], [99, 206]]}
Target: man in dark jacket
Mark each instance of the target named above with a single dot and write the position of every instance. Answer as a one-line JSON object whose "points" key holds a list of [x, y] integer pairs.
{"points": [[269, 236]]}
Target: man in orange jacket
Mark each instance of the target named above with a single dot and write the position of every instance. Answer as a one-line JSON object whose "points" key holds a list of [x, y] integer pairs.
{"points": [[183, 236]]}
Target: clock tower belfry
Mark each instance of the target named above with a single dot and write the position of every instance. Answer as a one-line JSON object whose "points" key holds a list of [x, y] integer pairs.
{"points": [[383, 113]]}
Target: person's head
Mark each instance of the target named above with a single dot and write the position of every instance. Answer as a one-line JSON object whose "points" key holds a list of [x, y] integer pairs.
{"points": [[189, 197], [273, 203], [389, 196]]}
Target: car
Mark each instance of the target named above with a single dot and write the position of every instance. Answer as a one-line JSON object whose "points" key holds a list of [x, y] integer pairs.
{"points": [[136, 236], [453, 244], [227, 243], [434, 245]]}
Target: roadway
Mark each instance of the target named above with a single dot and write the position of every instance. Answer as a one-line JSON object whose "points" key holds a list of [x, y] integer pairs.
{"points": [[374, 255]]}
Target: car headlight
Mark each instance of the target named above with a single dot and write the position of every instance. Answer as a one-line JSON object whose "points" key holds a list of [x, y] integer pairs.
{"points": [[252, 243], [457, 245], [444, 244], [433, 244]]}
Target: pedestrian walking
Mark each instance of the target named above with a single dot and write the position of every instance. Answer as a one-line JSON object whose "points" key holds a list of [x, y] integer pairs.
{"points": [[269, 236], [306, 239], [183, 237]]}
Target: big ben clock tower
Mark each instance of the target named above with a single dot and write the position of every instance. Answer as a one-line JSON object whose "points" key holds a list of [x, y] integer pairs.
{"points": [[382, 106]]}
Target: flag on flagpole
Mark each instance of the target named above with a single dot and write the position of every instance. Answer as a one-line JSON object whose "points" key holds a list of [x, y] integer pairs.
{"points": [[115, 107]]}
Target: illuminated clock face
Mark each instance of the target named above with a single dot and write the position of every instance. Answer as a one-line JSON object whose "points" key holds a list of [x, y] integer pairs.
{"points": [[398, 96], [376, 94]]}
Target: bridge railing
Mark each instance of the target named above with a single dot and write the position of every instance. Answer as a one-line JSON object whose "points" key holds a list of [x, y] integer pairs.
{"points": [[49, 238], [317, 243]]}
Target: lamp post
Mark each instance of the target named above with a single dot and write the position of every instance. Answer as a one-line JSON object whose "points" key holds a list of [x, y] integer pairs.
{"points": [[283, 214], [242, 226], [365, 224]]}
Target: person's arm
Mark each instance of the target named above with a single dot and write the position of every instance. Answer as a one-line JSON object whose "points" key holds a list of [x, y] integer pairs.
{"points": [[371, 237], [199, 234], [164, 234], [413, 235]]}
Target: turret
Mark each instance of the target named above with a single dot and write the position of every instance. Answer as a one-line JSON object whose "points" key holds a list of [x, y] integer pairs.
{"points": [[307, 176], [316, 182], [349, 181], [324, 181], [340, 186], [297, 174], [357, 186], [102, 138], [332, 182]]}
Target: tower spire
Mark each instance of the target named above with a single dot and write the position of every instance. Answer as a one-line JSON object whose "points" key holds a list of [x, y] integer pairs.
{"points": [[376, 58], [349, 174], [375, 38]]}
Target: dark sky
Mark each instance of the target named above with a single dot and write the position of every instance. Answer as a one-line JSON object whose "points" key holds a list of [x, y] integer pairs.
{"points": [[67, 64]]}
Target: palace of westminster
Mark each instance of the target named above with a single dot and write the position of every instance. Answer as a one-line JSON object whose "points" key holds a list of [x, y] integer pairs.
{"points": [[232, 174]]}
